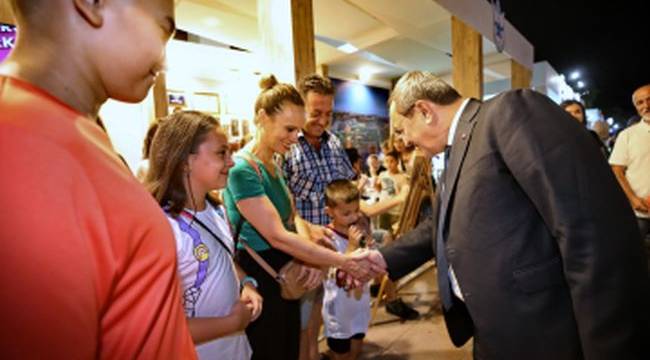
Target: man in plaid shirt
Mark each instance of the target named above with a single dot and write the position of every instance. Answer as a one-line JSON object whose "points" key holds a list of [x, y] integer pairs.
{"points": [[318, 158]]}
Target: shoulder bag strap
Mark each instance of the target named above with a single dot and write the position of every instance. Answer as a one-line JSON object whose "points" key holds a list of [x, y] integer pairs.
{"points": [[258, 259]]}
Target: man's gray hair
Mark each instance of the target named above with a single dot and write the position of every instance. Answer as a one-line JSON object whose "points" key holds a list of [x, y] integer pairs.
{"points": [[421, 85]]}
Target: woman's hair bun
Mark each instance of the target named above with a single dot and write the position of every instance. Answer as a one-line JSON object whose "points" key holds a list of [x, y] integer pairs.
{"points": [[268, 81]]}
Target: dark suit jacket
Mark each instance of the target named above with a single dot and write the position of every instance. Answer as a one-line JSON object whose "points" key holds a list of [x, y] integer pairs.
{"points": [[540, 236]]}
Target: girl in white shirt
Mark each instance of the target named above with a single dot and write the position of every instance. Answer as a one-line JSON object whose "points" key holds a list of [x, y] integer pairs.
{"points": [[189, 158]]}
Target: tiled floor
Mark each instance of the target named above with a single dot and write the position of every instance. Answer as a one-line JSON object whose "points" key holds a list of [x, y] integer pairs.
{"points": [[426, 338]]}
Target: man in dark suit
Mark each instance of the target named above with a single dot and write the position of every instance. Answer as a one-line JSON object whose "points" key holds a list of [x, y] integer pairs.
{"points": [[538, 252]]}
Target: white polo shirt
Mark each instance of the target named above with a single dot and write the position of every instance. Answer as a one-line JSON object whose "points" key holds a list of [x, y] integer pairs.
{"points": [[632, 150]]}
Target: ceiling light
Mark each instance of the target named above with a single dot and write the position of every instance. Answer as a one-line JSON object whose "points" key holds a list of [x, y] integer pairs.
{"points": [[575, 75], [211, 21], [365, 73], [581, 84], [348, 48]]}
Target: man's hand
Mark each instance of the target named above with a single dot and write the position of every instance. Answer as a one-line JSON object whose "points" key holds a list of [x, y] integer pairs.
{"points": [[253, 300], [363, 265]]}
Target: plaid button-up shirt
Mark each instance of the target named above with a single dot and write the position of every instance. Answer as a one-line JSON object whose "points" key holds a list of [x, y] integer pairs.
{"points": [[308, 172]]}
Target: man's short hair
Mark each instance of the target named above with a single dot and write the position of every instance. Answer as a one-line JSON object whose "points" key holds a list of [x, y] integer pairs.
{"points": [[315, 83], [341, 191], [421, 85]]}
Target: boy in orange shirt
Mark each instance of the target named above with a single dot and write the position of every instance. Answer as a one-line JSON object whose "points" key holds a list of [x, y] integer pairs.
{"points": [[88, 259]]}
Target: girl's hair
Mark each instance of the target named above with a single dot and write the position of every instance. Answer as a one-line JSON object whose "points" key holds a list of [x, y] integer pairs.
{"points": [[146, 144], [566, 103], [178, 136], [273, 95]]}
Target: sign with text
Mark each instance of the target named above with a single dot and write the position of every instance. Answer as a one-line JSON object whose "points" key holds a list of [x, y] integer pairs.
{"points": [[7, 40]]}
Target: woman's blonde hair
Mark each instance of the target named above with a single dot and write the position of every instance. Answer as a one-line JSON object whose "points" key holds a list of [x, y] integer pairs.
{"points": [[274, 95]]}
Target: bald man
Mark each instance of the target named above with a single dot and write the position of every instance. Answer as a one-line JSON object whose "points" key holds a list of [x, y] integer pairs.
{"points": [[630, 161], [88, 265]]}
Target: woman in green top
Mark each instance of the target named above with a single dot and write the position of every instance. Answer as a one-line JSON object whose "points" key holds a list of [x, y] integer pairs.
{"points": [[262, 205]]}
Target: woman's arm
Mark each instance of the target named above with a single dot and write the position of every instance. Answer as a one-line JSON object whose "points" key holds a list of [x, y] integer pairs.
{"points": [[260, 212], [385, 205]]}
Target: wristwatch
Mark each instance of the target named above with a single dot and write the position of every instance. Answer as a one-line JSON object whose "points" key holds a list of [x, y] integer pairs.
{"points": [[248, 280]]}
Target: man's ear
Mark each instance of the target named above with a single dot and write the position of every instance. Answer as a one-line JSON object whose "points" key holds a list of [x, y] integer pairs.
{"points": [[91, 11], [328, 211], [428, 111]]}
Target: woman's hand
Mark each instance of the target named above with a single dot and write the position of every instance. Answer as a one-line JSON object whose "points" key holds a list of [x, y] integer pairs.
{"points": [[311, 277], [321, 236], [253, 300]]}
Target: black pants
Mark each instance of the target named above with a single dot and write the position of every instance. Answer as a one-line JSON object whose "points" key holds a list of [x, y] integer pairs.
{"points": [[275, 335], [644, 227]]}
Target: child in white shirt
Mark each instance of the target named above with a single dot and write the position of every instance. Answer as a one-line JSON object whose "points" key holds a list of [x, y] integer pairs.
{"points": [[346, 314]]}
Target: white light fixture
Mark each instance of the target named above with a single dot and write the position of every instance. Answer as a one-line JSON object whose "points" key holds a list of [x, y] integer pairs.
{"points": [[610, 121], [575, 75], [348, 48], [365, 73], [211, 21], [581, 84]]}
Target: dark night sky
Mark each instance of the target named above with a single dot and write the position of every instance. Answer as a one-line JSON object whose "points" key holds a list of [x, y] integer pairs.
{"points": [[606, 40]]}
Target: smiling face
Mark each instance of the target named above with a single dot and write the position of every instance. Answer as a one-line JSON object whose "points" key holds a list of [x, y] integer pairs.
{"points": [[318, 108], [138, 32], [641, 100], [420, 127], [281, 129], [210, 163]]}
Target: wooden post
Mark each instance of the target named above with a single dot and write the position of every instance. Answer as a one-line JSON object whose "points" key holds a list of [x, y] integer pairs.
{"points": [[467, 60], [521, 76], [323, 70], [6, 15], [161, 108], [287, 30]]}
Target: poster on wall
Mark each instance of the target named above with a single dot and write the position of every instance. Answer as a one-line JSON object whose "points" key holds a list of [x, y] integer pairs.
{"points": [[7, 39], [360, 117]]}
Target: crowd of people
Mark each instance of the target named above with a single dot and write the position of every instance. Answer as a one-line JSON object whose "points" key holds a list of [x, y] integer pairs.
{"points": [[538, 241]]}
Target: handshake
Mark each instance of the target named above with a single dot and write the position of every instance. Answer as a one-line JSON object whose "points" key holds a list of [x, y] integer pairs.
{"points": [[360, 267]]}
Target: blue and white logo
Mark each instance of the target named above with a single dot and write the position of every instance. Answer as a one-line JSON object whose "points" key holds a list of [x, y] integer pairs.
{"points": [[499, 25]]}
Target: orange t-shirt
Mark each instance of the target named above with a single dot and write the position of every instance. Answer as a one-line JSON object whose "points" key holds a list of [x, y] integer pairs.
{"points": [[87, 258]]}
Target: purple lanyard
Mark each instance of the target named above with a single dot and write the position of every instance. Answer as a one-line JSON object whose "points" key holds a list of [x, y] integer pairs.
{"points": [[200, 251]]}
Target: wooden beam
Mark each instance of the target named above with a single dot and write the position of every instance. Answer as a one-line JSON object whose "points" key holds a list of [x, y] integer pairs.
{"points": [[467, 59], [520, 75], [323, 70], [160, 104], [287, 29], [6, 15]]}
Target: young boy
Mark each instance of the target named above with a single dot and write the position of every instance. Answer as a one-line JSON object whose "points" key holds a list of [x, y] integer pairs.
{"points": [[346, 314], [88, 258]]}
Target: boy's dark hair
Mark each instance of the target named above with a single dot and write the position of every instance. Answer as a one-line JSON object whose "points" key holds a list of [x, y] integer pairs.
{"points": [[395, 154], [341, 191], [316, 83]]}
